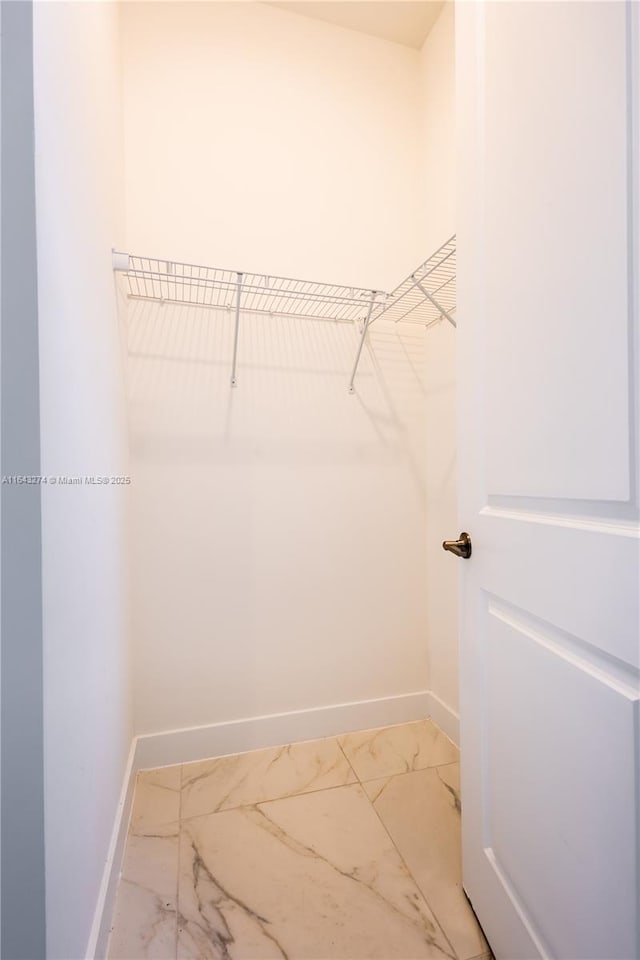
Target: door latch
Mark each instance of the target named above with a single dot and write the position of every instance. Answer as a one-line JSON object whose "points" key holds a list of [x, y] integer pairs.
{"points": [[461, 547]]}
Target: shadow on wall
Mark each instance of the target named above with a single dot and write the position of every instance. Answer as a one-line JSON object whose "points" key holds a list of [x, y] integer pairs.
{"points": [[278, 528], [291, 405]]}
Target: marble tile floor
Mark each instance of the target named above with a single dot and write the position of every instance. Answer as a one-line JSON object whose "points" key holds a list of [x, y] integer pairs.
{"points": [[340, 849]]}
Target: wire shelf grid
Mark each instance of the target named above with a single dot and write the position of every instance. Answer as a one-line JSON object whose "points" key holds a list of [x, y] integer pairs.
{"points": [[187, 283], [428, 294]]}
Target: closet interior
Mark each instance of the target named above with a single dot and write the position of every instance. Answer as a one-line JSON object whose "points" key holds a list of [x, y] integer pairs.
{"points": [[241, 231], [284, 448]]}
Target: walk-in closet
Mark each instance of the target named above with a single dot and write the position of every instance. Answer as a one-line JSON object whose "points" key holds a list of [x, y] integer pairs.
{"points": [[322, 288]]}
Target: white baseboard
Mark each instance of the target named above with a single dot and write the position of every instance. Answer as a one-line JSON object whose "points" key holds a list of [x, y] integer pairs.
{"points": [[273, 730], [444, 717], [99, 936], [239, 736]]}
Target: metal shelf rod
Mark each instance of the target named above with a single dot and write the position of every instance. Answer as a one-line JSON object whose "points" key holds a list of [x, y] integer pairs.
{"points": [[437, 306], [365, 327], [234, 379], [256, 311], [248, 288], [394, 301]]}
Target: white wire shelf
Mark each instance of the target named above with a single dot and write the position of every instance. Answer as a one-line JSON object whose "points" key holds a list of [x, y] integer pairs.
{"points": [[188, 283], [427, 296]]}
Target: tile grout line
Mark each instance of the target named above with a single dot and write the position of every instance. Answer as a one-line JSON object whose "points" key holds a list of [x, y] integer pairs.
{"points": [[437, 766], [351, 766], [393, 843], [406, 866], [359, 781], [410, 723], [285, 796], [406, 773]]}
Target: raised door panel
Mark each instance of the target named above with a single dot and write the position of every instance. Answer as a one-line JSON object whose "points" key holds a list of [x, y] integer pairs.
{"points": [[560, 824], [557, 253]]}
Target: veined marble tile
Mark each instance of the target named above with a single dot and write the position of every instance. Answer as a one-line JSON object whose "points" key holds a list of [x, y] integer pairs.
{"points": [[421, 811], [247, 778], [399, 749], [156, 803], [145, 916], [311, 877]]}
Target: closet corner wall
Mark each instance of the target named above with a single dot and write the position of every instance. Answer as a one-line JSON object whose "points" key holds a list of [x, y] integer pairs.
{"points": [[438, 106]]}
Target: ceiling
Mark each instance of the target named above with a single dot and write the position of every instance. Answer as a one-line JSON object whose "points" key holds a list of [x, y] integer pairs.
{"points": [[397, 20]]}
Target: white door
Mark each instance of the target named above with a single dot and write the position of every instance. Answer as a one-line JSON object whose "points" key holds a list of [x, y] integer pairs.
{"points": [[548, 265]]}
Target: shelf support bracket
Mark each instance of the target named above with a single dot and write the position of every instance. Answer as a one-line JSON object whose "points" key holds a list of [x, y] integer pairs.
{"points": [[440, 309], [365, 327], [120, 261], [234, 379]]}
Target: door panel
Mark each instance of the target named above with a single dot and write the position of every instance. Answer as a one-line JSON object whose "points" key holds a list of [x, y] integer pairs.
{"points": [[580, 576], [556, 133], [567, 766], [550, 609]]}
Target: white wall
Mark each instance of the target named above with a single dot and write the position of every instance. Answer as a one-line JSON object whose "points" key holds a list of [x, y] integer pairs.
{"points": [[437, 72], [278, 545], [86, 661], [262, 140], [278, 528]]}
